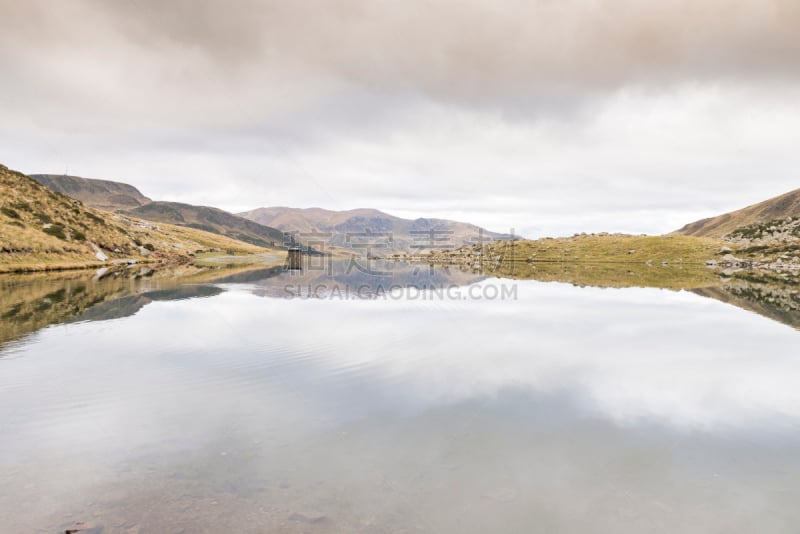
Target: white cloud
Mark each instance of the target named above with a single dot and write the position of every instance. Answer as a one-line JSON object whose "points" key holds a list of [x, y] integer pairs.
{"points": [[547, 117]]}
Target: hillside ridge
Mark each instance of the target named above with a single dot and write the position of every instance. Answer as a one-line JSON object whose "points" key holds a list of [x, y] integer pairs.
{"points": [[101, 194], [779, 207], [124, 198]]}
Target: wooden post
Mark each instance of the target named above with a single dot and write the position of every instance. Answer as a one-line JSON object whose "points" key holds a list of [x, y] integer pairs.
{"points": [[294, 262]]}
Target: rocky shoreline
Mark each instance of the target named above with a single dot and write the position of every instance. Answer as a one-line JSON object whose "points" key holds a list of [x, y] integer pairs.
{"points": [[772, 245]]}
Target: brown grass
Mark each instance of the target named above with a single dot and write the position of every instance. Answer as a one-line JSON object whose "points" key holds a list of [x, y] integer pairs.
{"points": [[43, 230]]}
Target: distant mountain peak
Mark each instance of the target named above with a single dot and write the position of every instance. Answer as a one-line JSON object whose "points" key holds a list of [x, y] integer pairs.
{"points": [[100, 194]]}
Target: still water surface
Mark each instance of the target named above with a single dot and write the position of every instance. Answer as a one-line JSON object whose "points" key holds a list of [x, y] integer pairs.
{"points": [[231, 407]]}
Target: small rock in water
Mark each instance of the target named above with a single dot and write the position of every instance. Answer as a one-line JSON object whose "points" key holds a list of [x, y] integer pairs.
{"points": [[99, 274], [84, 528], [731, 259]]}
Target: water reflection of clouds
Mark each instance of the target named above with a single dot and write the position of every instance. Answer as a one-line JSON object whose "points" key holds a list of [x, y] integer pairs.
{"points": [[628, 355]]}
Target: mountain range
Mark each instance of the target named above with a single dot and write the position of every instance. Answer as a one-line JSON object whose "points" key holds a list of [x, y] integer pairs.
{"points": [[368, 230], [364, 230], [373, 229]]}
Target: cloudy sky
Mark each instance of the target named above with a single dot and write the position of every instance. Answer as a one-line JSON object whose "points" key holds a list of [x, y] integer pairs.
{"points": [[548, 116]]}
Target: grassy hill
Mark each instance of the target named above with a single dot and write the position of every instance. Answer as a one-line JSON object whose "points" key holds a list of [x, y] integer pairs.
{"points": [[342, 228], [764, 236], [780, 207], [593, 248], [210, 220], [123, 198], [41, 229], [101, 194], [604, 260]]}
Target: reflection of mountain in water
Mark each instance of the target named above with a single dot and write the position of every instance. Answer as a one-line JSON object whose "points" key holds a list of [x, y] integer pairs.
{"points": [[359, 278], [775, 296], [30, 302], [249, 276], [778, 302], [129, 305]]}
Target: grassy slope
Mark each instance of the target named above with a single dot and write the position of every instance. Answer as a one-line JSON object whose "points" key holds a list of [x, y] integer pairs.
{"points": [[124, 198], [600, 260], [780, 207], [620, 248], [674, 277], [210, 220], [27, 243], [614, 248]]}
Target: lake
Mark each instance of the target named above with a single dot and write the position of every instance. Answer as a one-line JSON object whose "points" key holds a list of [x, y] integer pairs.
{"points": [[338, 400]]}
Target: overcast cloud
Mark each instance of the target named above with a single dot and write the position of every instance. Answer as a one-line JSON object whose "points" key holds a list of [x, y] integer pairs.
{"points": [[549, 116]]}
